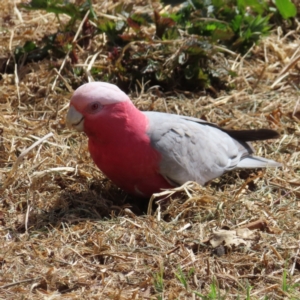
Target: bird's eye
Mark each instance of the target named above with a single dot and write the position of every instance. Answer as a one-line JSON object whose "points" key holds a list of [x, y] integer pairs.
{"points": [[94, 107]]}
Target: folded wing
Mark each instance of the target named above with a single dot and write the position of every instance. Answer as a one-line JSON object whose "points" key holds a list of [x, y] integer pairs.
{"points": [[195, 150]]}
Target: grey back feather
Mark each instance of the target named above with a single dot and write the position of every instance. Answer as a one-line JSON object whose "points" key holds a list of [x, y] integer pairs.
{"points": [[195, 150]]}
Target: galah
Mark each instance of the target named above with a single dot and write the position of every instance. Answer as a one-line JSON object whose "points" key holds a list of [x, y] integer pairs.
{"points": [[144, 152]]}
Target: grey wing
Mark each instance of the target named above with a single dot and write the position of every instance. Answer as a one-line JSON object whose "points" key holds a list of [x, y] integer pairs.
{"points": [[191, 150]]}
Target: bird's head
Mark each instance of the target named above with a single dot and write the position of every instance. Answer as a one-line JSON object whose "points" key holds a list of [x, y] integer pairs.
{"points": [[91, 101]]}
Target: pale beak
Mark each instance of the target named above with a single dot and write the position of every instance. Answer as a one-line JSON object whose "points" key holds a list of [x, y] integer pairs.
{"points": [[74, 119]]}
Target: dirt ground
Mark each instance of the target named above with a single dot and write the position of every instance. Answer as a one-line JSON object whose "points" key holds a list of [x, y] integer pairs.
{"points": [[67, 232]]}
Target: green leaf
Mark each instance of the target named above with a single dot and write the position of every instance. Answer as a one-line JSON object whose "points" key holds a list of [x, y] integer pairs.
{"points": [[171, 34], [29, 46], [141, 18], [54, 6], [62, 7], [88, 5], [181, 277], [195, 47], [236, 23], [286, 8], [202, 75], [223, 35], [36, 4], [256, 6]]}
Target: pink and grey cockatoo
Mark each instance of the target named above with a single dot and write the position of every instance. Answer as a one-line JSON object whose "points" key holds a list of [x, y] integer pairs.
{"points": [[144, 152]]}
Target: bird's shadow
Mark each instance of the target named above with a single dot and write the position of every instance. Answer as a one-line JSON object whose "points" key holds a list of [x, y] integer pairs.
{"points": [[95, 202], [98, 200]]}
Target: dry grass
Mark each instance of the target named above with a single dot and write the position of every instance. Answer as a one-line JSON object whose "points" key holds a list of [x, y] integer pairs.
{"points": [[66, 232]]}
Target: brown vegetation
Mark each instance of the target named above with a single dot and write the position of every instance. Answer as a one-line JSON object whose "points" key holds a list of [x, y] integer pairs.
{"points": [[66, 232]]}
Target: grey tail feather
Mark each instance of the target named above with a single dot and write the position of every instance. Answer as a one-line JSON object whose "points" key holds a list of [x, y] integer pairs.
{"points": [[257, 162]]}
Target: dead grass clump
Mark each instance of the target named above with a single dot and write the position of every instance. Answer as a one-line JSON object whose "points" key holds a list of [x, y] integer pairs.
{"points": [[68, 232]]}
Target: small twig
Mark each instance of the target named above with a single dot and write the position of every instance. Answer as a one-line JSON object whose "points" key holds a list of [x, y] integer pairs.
{"points": [[276, 253], [285, 71], [208, 267], [52, 170], [17, 83], [20, 282], [186, 226], [279, 79], [27, 216], [18, 13], [67, 55], [295, 110], [16, 77], [26, 151], [248, 180], [172, 250], [259, 77], [266, 289], [189, 185], [260, 224], [21, 156]]}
